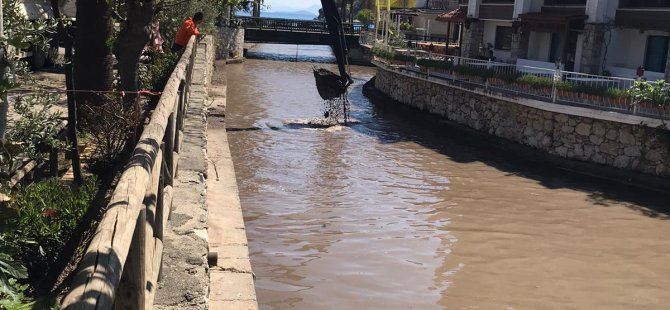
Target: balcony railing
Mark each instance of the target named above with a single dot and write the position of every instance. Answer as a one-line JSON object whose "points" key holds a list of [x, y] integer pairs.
{"points": [[565, 2], [280, 24], [627, 4], [548, 85], [437, 5]]}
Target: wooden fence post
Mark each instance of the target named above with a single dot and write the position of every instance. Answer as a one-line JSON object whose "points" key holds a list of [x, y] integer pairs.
{"points": [[131, 290]]}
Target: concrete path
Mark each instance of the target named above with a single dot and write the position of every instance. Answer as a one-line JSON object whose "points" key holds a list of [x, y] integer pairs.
{"points": [[231, 280]]}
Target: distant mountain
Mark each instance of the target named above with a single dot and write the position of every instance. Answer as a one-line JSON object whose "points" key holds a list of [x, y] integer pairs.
{"points": [[314, 9], [307, 15]]}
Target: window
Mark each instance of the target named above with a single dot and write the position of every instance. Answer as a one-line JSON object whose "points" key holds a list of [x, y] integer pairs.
{"points": [[657, 53], [503, 38]]}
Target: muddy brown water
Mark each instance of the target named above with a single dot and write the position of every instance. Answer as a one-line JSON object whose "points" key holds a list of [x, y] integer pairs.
{"points": [[392, 213]]}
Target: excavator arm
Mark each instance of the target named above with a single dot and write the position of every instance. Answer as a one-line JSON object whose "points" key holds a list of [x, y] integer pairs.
{"points": [[329, 84]]}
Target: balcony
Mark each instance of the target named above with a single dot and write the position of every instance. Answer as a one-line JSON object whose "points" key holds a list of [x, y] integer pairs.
{"points": [[496, 10], [565, 2], [644, 14], [633, 4], [440, 5]]}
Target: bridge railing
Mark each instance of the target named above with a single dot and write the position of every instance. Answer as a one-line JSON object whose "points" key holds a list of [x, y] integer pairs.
{"points": [[292, 25], [121, 266]]}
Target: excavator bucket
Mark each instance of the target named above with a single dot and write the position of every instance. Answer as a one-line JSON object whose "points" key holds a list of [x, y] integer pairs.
{"points": [[329, 84]]}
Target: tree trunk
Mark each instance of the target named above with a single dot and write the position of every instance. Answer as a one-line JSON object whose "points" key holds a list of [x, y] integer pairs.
{"points": [[4, 104], [64, 35], [93, 61], [257, 8], [132, 40]]}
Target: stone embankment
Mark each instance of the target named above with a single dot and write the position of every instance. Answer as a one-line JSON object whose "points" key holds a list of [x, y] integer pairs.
{"points": [[632, 143]]}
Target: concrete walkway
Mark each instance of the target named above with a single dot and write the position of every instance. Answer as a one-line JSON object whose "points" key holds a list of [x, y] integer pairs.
{"points": [[231, 280]]}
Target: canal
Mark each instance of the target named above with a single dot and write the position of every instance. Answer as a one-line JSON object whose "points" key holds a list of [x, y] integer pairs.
{"points": [[394, 213]]}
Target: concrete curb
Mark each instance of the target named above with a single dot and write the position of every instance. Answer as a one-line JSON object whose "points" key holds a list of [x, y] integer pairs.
{"points": [[231, 277]]}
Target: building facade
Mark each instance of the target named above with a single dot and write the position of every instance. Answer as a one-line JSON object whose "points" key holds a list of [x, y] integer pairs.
{"points": [[606, 37]]}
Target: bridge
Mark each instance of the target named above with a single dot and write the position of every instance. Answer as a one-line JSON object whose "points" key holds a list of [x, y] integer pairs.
{"points": [[289, 31]]}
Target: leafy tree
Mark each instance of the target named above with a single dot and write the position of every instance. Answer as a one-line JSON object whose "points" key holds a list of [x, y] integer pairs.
{"points": [[365, 16], [20, 34]]}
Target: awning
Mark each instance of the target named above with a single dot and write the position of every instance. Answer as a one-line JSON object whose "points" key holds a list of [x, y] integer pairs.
{"points": [[455, 16], [552, 21], [405, 12]]}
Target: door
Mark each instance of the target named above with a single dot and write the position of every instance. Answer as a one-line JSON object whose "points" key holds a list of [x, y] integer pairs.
{"points": [[555, 52], [656, 56]]}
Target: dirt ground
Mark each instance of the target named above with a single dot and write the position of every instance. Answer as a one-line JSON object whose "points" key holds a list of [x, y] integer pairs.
{"points": [[47, 80]]}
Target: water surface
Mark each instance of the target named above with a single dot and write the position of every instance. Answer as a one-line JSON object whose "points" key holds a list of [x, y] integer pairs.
{"points": [[393, 213]]}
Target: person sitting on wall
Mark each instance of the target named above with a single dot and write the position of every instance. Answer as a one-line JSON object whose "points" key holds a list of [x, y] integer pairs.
{"points": [[188, 29]]}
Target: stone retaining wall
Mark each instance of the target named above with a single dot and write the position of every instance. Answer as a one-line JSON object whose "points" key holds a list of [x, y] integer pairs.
{"points": [[231, 43], [592, 139]]}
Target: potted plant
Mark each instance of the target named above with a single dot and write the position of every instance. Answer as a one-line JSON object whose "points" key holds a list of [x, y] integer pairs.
{"points": [[650, 96]]}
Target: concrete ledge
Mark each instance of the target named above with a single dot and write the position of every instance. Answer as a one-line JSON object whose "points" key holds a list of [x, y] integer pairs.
{"points": [[231, 278]]}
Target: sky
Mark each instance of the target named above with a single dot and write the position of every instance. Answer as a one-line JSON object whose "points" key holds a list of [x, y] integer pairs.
{"points": [[281, 5]]}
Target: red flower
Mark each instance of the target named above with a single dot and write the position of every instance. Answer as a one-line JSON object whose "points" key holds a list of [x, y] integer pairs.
{"points": [[49, 212]]}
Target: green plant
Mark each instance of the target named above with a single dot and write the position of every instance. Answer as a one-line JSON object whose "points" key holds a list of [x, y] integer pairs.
{"points": [[405, 26], [434, 63], [47, 213], [382, 53], [474, 71], [650, 92], [155, 75], [366, 17], [404, 57], [37, 127], [12, 294], [535, 81]]}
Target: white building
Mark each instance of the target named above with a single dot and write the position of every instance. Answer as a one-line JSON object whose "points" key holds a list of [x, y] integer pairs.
{"points": [[593, 36]]}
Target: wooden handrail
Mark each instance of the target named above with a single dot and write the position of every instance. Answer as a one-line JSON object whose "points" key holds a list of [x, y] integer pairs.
{"points": [[123, 260]]}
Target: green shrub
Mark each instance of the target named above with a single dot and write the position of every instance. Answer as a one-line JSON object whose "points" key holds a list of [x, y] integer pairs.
{"points": [[405, 26], [47, 214], [535, 81], [382, 53], [434, 63], [12, 294], [366, 17], [509, 77], [473, 71], [651, 92], [404, 57], [38, 125], [154, 76]]}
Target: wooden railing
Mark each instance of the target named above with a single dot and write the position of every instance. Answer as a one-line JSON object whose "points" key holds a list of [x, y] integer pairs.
{"points": [[312, 26], [121, 266]]}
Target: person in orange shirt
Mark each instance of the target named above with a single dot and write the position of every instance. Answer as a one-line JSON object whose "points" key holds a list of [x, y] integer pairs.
{"points": [[188, 28]]}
